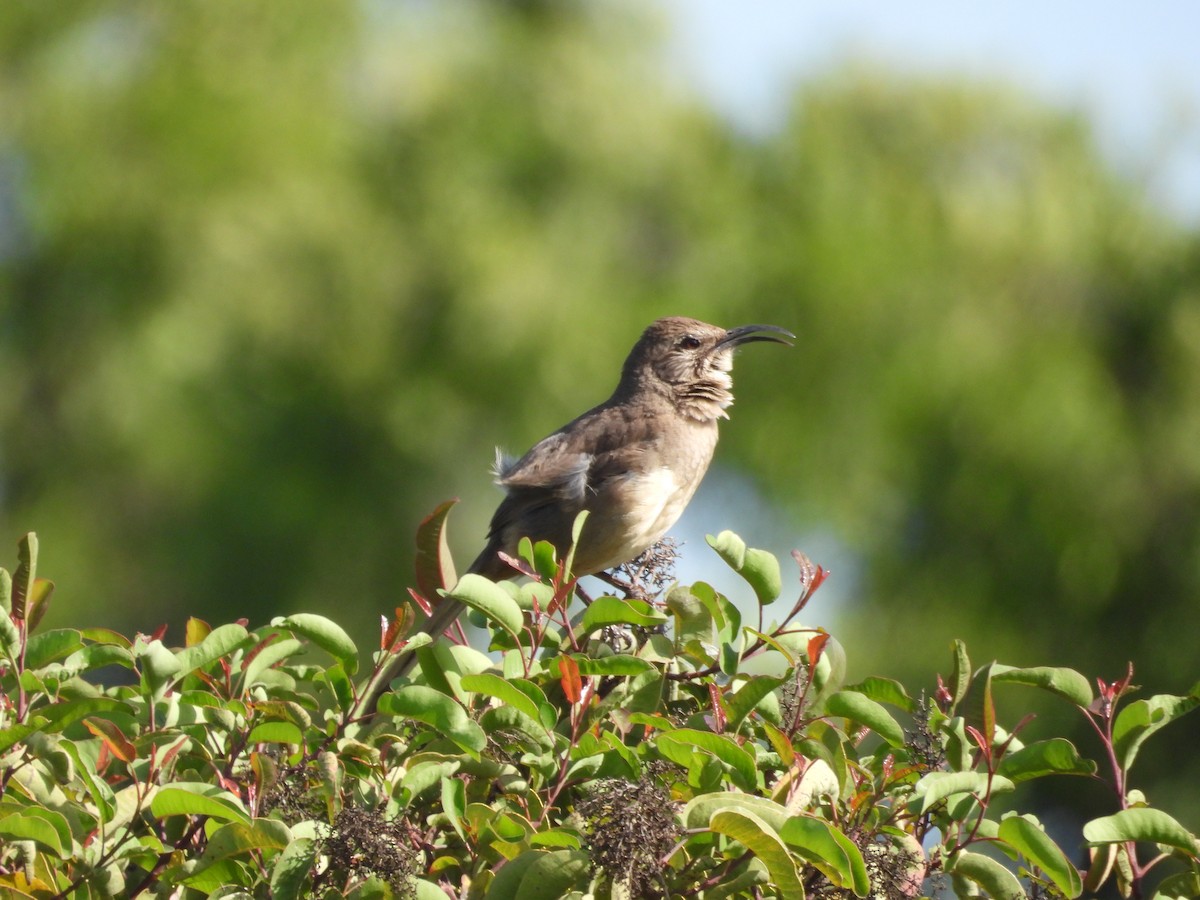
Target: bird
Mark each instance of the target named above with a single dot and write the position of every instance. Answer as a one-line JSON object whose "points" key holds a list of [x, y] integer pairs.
{"points": [[633, 462]]}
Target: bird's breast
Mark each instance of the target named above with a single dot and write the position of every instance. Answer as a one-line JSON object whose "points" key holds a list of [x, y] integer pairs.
{"points": [[633, 511]]}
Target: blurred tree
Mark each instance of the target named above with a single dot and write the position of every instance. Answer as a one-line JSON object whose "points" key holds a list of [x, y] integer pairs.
{"points": [[282, 280], [273, 280]]}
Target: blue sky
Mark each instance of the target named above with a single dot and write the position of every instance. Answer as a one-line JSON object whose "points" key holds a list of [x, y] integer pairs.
{"points": [[1134, 67]]}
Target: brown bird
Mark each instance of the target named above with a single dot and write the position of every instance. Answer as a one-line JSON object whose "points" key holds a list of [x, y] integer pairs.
{"points": [[633, 462]]}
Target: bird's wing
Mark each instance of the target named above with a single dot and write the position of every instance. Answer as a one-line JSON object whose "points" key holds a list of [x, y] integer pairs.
{"points": [[553, 467], [575, 463]]}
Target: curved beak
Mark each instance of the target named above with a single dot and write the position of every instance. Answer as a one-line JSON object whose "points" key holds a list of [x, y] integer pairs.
{"points": [[746, 334]]}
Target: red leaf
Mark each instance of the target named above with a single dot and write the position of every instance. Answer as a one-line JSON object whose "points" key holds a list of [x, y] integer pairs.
{"points": [[434, 568], [400, 625], [815, 645], [943, 696], [718, 708], [572, 685], [422, 603], [113, 739]]}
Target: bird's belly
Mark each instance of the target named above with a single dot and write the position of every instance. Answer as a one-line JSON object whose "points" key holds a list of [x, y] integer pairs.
{"points": [[631, 515]]}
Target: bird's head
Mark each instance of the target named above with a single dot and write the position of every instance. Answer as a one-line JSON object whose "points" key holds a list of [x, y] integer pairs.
{"points": [[691, 361]]}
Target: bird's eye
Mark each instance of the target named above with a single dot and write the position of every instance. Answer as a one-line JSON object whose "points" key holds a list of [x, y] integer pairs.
{"points": [[687, 342]]}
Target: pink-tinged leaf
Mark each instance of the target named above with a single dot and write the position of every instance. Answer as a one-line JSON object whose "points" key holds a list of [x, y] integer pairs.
{"points": [[718, 708], [989, 717], [519, 565], [812, 576], [981, 742], [572, 684], [159, 633], [23, 577], [434, 568], [113, 739], [38, 602]]}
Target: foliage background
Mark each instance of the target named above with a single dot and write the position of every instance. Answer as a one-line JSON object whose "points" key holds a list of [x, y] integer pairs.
{"points": [[273, 284]]}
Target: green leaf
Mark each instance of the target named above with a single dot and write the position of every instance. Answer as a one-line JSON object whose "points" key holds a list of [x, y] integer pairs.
{"points": [[1142, 718], [424, 704], [1026, 836], [937, 786], [1141, 824], [693, 620], [423, 775], [885, 690], [542, 556], [992, 876], [47, 828], [424, 890], [498, 720], [749, 695], [862, 709], [289, 875], [507, 692], [159, 666], [552, 875], [960, 675], [830, 851], [10, 638], [1180, 886], [759, 568], [724, 613], [606, 611], [433, 566], [721, 747], [1064, 682], [339, 682], [197, 799], [50, 646], [576, 531], [617, 664], [519, 877], [323, 632], [276, 651], [15, 733], [1057, 756], [216, 644], [237, 838], [275, 733], [98, 789], [67, 712], [6, 585], [765, 843], [95, 656], [454, 803], [818, 782], [700, 809], [490, 599]]}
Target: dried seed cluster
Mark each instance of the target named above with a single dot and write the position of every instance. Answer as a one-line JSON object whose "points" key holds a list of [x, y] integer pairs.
{"points": [[630, 827]]}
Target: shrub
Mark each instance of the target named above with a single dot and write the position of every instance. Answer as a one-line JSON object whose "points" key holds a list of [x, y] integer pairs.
{"points": [[648, 745]]}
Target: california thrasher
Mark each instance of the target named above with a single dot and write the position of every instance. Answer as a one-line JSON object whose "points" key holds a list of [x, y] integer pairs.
{"points": [[633, 462]]}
